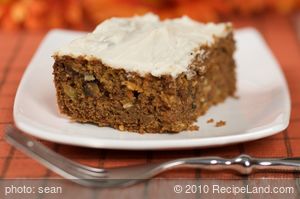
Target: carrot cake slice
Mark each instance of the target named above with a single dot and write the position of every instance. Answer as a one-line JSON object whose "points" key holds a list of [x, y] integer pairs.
{"points": [[146, 75]]}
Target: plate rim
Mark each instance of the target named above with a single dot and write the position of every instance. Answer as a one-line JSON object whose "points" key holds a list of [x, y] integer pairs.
{"points": [[149, 144], [152, 144]]}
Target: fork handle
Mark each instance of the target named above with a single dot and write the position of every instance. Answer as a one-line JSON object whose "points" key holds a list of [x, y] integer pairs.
{"points": [[243, 164]]}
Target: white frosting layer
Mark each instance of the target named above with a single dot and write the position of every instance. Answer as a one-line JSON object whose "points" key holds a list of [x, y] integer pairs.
{"points": [[144, 44]]}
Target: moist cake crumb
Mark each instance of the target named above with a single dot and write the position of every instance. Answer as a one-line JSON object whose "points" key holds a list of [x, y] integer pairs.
{"points": [[193, 128], [220, 123], [211, 120]]}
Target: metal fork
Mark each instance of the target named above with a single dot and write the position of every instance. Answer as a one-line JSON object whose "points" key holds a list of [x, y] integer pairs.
{"points": [[122, 176]]}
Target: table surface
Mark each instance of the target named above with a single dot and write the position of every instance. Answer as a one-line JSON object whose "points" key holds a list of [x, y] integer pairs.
{"points": [[280, 32]]}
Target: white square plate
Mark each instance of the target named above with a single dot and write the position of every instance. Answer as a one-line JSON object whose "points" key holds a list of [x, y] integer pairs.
{"points": [[263, 107]]}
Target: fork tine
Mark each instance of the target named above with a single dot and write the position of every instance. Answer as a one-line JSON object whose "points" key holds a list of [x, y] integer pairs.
{"points": [[80, 174], [49, 158]]}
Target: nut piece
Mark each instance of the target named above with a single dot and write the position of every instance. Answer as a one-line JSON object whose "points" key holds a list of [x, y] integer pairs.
{"points": [[91, 89], [133, 86], [69, 91], [89, 77], [127, 105], [76, 67], [121, 128]]}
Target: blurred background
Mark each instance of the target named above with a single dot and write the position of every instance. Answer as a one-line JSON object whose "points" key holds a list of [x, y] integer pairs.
{"points": [[86, 14]]}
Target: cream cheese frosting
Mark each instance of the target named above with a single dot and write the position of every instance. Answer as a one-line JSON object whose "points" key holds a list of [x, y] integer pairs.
{"points": [[145, 44]]}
